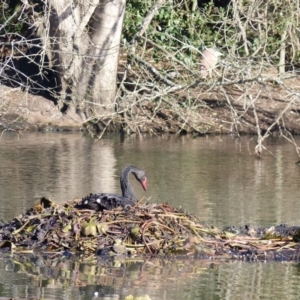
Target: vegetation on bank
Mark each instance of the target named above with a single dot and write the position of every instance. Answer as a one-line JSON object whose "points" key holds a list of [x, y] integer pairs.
{"points": [[254, 88]]}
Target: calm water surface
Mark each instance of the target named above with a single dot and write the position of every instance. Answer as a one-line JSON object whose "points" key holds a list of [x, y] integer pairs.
{"points": [[216, 178]]}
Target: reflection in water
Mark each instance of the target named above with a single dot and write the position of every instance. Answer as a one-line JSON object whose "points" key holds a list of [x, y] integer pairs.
{"points": [[216, 178], [42, 277], [58, 166]]}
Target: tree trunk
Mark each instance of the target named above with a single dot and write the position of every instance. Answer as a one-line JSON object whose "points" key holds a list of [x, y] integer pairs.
{"points": [[85, 42]]}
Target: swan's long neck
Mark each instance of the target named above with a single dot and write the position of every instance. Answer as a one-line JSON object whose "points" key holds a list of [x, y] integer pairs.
{"points": [[127, 190]]}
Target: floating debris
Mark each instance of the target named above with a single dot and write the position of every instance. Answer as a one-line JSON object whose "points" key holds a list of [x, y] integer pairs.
{"points": [[155, 229]]}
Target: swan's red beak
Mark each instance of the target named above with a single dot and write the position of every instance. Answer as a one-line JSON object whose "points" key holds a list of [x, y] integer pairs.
{"points": [[144, 184]]}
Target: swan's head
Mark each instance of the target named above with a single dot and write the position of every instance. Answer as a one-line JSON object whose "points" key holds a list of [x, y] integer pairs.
{"points": [[141, 178], [144, 183], [138, 173]]}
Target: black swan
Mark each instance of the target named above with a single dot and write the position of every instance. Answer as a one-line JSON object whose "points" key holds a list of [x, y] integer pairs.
{"points": [[106, 201]]}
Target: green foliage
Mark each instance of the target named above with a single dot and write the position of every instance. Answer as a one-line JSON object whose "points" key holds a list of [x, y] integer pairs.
{"points": [[17, 18], [182, 28], [9, 18], [176, 26], [242, 28]]}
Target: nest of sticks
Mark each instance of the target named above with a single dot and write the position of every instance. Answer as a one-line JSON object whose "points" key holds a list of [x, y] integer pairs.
{"points": [[151, 229]]}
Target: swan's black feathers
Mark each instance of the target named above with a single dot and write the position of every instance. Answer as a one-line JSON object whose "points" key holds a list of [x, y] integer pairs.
{"points": [[99, 202], [104, 201]]}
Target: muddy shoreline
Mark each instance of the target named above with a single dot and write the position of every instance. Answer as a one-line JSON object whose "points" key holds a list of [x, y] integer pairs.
{"points": [[22, 111]]}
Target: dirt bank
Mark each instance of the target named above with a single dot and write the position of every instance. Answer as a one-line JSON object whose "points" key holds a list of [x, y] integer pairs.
{"points": [[201, 110], [20, 110]]}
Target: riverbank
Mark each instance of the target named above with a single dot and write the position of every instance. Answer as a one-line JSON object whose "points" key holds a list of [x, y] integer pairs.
{"points": [[201, 110], [24, 111]]}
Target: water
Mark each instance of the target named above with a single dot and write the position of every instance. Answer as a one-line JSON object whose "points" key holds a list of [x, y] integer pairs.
{"points": [[216, 178], [159, 279]]}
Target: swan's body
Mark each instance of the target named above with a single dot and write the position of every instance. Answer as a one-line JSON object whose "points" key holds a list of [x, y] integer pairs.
{"points": [[108, 201]]}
